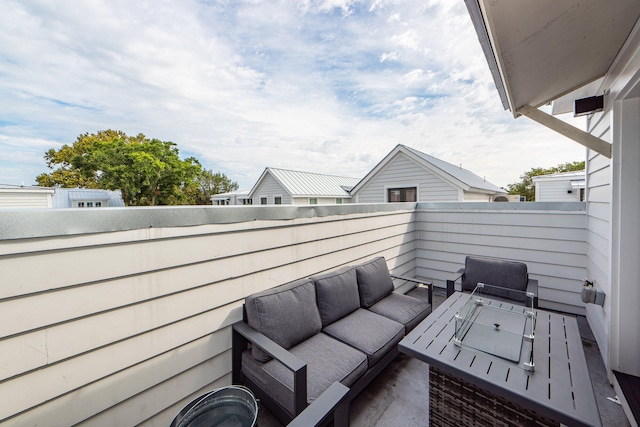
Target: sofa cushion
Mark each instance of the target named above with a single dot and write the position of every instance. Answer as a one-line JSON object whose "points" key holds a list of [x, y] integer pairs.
{"points": [[337, 294], [403, 309], [287, 314], [496, 272], [369, 332], [374, 281], [328, 360]]}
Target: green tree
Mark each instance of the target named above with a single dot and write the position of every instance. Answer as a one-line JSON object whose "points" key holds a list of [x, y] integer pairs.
{"points": [[525, 186], [210, 183], [148, 171]]}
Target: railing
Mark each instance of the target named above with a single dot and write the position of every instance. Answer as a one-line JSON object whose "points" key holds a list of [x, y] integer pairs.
{"points": [[121, 316]]}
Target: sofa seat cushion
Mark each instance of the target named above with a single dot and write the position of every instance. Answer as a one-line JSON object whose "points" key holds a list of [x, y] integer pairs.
{"points": [[337, 294], [328, 360], [509, 275], [374, 281], [369, 332], [403, 309], [287, 314]]}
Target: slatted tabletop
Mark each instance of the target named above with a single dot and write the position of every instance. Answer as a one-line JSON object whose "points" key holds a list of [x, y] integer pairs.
{"points": [[559, 388]]}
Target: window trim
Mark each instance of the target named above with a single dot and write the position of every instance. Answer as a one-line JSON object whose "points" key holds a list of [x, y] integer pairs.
{"points": [[403, 186]]}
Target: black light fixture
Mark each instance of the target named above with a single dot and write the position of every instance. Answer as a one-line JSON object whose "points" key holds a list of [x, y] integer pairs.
{"points": [[584, 106]]}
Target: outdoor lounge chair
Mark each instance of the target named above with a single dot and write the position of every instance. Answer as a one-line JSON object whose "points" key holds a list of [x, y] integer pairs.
{"points": [[510, 278]]}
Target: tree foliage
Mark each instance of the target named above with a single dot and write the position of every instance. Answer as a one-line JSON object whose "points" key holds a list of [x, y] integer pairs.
{"points": [[148, 171], [211, 183], [525, 186]]}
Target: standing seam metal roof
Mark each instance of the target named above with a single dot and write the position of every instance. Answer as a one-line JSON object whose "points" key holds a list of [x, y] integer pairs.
{"points": [[313, 184]]}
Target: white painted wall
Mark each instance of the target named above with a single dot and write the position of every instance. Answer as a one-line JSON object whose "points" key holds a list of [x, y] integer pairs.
{"points": [[556, 191], [548, 237], [270, 188], [25, 199], [403, 172], [126, 327]]}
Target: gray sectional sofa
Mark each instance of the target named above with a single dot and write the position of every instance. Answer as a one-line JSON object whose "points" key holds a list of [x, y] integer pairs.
{"points": [[298, 339]]}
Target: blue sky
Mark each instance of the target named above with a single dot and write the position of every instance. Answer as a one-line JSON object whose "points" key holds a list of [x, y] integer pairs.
{"points": [[329, 86]]}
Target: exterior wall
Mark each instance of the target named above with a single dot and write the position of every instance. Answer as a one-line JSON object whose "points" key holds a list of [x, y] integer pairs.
{"points": [[403, 172], [25, 199], [548, 237], [476, 197], [126, 324], [300, 201], [271, 188], [614, 213], [556, 191]]}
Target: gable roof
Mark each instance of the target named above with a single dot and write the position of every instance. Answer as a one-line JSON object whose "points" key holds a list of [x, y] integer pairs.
{"points": [[453, 174], [64, 197], [301, 184]]}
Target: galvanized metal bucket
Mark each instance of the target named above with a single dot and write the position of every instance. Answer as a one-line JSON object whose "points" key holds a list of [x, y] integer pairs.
{"points": [[232, 406]]}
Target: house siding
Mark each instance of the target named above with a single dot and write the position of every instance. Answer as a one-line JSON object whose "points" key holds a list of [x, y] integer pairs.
{"points": [[271, 188], [14, 199], [403, 172], [154, 306], [548, 237], [556, 191]]}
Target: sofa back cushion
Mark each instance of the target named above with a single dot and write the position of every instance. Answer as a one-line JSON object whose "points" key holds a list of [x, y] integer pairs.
{"points": [[337, 294], [286, 314], [374, 281], [497, 272]]}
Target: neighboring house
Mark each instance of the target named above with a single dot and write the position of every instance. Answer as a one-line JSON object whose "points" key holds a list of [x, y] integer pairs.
{"points": [[560, 187], [408, 175], [86, 198], [240, 197], [287, 187], [20, 196], [570, 55]]}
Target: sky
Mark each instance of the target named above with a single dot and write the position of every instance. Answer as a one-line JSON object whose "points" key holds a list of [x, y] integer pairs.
{"points": [[326, 86]]}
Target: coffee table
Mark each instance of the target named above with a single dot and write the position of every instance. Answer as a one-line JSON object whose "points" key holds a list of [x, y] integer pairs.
{"points": [[471, 384]]}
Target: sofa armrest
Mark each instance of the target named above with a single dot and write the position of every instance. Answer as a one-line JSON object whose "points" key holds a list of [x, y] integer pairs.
{"points": [[532, 287], [414, 283], [451, 283], [331, 401], [243, 334]]}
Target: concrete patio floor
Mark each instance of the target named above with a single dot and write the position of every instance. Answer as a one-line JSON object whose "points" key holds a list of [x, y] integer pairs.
{"points": [[400, 394]]}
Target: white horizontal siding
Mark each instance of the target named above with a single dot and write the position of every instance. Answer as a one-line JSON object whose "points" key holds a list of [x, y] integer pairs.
{"points": [[126, 327], [550, 242], [402, 172], [270, 188], [556, 191], [24, 200]]}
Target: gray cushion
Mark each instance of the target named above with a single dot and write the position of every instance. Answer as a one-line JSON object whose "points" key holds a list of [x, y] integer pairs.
{"points": [[287, 314], [337, 294], [323, 369], [403, 309], [374, 281], [369, 332], [496, 272]]}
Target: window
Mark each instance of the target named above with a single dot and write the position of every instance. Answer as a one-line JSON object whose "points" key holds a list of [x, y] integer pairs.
{"points": [[277, 200], [89, 204], [313, 200], [338, 201], [81, 204], [402, 194], [263, 200], [98, 204]]}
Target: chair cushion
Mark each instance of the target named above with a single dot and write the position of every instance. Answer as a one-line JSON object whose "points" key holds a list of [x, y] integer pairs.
{"points": [[337, 294], [323, 369], [287, 314], [496, 272], [403, 309], [374, 281], [369, 332]]}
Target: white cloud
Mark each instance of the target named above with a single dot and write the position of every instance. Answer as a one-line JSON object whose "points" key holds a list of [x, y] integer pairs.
{"points": [[326, 85]]}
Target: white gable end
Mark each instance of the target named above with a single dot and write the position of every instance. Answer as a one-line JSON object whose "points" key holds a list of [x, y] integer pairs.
{"points": [[402, 172]]}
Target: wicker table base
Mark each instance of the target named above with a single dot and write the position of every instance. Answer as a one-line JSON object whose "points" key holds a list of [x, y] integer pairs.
{"points": [[453, 402]]}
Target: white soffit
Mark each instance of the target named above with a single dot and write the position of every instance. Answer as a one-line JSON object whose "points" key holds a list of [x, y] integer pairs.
{"points": [[545, 49]]}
